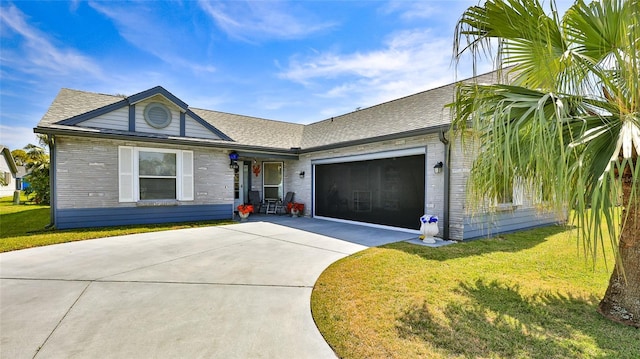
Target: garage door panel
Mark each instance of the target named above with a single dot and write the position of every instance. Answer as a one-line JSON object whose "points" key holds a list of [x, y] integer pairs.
{"points": [[387, 191]]}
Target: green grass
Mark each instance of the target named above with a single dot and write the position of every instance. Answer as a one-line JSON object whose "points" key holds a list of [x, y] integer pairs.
{"points": [[523, 295], [22, 226]]}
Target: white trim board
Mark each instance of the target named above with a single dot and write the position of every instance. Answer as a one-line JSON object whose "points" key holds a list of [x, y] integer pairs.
{"points": [[372, 156]]}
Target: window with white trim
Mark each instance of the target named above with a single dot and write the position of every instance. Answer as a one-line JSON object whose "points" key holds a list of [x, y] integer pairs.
{"points": [[148, 174], [157, 175]]}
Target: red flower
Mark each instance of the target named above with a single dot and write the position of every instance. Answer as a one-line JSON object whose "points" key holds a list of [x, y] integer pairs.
{"points": [[296, 206], [245, 208]]}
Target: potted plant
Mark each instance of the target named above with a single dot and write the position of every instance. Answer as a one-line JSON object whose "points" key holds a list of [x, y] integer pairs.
{"points": [[296, 209], [428, 228], [244, 210]]}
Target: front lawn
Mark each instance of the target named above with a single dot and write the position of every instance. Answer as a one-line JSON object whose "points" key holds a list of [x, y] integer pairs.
{"points": [[522, 295], [23, 226]]}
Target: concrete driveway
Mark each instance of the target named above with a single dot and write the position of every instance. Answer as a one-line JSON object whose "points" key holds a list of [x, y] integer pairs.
{"points": [[237, 291]]}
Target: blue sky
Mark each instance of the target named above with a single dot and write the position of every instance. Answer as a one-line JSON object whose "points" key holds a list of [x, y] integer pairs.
{"points": [[296, 61]]}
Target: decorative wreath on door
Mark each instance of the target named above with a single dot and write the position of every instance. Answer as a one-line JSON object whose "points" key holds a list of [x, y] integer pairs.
{"points": [[256, 169]]}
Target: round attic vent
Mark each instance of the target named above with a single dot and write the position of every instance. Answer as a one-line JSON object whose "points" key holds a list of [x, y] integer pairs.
{"points": [[157, 115]]}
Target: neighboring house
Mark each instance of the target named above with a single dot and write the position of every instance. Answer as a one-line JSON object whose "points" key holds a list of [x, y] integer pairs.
{"points": [[8, 171], [21, 182], [150, 158]]}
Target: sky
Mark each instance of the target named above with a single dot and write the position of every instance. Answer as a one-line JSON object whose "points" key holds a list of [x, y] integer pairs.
{"points": [[294, 61]]}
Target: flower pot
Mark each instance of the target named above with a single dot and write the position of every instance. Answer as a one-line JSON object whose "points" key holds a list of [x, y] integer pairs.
{"points": [[244, 216], [428, 228], [295, 213]]}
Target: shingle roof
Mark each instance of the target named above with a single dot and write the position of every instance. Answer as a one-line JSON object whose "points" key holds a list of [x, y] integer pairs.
{"points": [[416, 112], [22, 171], [254, 131], [69, 103], [419, 111]]}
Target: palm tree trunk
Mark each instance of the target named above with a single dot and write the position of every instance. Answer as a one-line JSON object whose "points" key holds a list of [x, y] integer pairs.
{"points": [[621, 301]]}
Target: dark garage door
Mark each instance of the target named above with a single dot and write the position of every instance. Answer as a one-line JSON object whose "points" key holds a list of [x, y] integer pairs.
{"points": [[387, 191]]}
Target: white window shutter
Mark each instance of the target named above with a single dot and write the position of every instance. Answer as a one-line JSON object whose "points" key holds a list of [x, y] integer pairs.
{"points": [[518, 191], [187, 176], [125, 174]]}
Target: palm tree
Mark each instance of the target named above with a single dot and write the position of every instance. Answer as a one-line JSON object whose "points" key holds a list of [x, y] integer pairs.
{"points": [[38, 168], [566, 121]]}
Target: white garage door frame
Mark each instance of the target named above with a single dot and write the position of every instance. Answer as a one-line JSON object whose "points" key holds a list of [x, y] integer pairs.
{"points": [[364, 157]]}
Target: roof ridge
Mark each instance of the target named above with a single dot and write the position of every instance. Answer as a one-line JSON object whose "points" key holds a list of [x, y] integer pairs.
{"points": [[411, 95], [247, 116], [95, 93]]}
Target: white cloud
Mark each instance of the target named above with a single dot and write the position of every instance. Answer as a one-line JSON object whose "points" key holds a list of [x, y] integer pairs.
{"points": [[251, 20], [409, 61], [38, 54], [403, 52], [15, 137], [411, 10]]}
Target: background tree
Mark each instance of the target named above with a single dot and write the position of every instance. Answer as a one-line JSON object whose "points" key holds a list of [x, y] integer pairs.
{"points": [[19, 156], [37, 166], [567, 123]]}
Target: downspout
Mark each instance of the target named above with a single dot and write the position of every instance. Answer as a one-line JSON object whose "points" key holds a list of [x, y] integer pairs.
{"points": [[52, 182], [447, 189]]}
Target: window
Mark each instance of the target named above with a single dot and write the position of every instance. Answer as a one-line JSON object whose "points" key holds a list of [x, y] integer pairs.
{"points": [[272, 180], [6, 178], [157, 175], [157, 115], [154, 174], [506, 194], [511, 194]]}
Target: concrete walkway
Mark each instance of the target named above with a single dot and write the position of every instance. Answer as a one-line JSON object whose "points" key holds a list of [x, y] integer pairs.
{"points": [[237, 291]]}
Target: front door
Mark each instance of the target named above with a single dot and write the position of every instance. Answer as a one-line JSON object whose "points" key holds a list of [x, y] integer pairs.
{"points": [[240, 185]]}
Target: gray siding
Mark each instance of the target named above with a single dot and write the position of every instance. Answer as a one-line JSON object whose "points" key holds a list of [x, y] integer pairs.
{"points": [[467, 225], [87, 173], [460, 162], [484, 225], [142, 126], [194, 129], [106, 217], [115, 120], [301, 186]]}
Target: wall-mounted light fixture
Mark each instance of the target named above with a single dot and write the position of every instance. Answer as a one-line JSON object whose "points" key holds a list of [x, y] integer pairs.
{"points": [[301, 174], [438, 167], [233, 160]]}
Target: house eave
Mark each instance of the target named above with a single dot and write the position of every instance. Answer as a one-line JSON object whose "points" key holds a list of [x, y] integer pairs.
{"points": [[245, 150], [388, 137], [10, 161]]}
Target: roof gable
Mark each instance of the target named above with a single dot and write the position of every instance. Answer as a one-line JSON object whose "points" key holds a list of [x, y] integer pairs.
{"points": [[158, 90], [9, 158], [108, 104]]}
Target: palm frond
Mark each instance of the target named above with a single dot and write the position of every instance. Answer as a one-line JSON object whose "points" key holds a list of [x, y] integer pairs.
{"points": [[569, 124]]}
